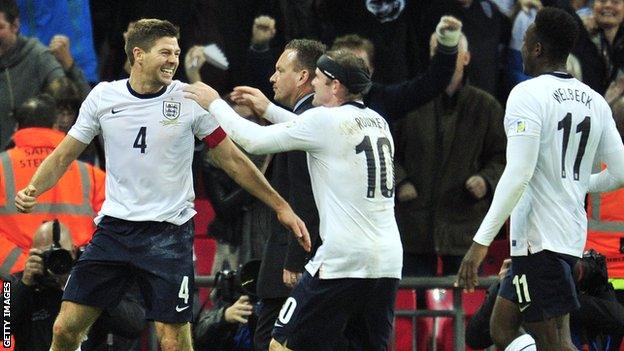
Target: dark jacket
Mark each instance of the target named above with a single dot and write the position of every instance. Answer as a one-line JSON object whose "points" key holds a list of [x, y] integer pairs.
{"points": [[24, 72], [34, 309], [212, 333], [440, 146], [292, 179]]}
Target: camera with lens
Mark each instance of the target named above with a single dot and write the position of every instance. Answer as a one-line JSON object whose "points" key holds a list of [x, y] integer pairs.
{"points": [[230, 285], [56, 259], [590, 273]]}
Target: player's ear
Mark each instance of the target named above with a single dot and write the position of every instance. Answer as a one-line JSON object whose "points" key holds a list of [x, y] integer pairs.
{"points": [[304, 77], [138, 54], [538, 49]]}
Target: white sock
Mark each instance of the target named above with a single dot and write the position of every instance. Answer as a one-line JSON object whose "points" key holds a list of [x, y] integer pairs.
{"points": [[524, 342]]}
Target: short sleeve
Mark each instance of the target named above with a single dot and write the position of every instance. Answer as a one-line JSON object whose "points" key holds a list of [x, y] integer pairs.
{"points": [[87, 125], [523, 114], [204, 124]]}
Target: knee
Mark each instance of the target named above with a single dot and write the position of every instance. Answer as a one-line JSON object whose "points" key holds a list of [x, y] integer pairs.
{"points": [[63, 330], [170, 344], [276, 346], [502, 336]]}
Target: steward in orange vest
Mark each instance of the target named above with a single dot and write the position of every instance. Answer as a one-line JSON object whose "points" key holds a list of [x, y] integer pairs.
{"points": [[75, 200], [606, 229]]}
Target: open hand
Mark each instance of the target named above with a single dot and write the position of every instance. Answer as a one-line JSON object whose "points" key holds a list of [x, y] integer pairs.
{"points": [[290, 220], [467, 277], [240, 311], [252, 98], [201, 93]]}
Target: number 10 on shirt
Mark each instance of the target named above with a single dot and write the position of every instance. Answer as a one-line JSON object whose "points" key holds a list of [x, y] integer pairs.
{"points": [[383, 146]]}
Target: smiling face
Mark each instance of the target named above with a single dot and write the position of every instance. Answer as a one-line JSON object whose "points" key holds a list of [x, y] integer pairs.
{"points": [[608, 13], [322, 89], [159, 64]]}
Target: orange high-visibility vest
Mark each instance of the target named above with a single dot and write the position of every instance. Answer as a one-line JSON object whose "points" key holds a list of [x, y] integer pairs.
{"points": [[74, 200], [606, 229]]}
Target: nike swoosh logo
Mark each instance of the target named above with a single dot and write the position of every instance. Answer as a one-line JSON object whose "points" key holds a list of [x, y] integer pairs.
{"points": [[113, 111], [180, 309], [524, 307]]}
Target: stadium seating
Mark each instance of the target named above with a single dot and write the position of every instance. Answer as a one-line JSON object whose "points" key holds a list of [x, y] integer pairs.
{"points": [[403, 326]]}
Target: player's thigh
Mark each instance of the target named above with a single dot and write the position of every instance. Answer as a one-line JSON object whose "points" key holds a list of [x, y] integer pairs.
{"points": [[378, 314], [315, 314], [165, 272], [505, 321], [541, 285], [75, 318]]}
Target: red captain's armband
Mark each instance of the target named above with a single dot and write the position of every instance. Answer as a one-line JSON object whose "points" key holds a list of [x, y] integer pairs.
{"points": [[215, 138]]}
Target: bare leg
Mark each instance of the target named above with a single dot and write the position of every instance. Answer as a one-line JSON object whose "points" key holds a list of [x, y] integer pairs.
{"points": [[72, 324], [549, 334], [174, 336], [276, 346], [505, 322]]}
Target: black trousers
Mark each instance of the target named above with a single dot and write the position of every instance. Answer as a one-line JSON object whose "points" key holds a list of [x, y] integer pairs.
{"points": [[266, 319]]}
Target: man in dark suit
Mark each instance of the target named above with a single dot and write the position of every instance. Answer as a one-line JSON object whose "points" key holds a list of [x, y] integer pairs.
{"points": [[283, 260]]}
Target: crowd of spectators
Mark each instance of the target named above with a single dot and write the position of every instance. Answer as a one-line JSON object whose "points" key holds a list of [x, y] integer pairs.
{"points": [[446, 110]]}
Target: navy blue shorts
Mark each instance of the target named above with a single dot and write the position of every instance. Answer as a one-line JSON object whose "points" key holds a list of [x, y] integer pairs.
{"points": [[320, 312], [158, 256], [542, 285]]}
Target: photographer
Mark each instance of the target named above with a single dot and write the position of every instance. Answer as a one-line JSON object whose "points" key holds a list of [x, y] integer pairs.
{"points": [[599, 322], [229, 325], [38, 290]]}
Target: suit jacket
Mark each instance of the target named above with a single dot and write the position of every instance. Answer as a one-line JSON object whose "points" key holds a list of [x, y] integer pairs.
{"points": [[290, 169]]}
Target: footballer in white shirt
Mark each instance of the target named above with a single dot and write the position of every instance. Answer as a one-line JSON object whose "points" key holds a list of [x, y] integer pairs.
{"points": [[144, 232], [356, 270], [556, 126]]}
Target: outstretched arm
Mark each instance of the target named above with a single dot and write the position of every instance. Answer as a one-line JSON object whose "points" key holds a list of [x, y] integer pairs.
{"points": [[49, 172], [255, 139]]}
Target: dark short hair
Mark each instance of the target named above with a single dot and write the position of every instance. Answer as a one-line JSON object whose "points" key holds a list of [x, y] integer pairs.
{"points": [[351, 70], [145, 32], [38, 111], [308, 52], [65, 93], [10, 10], [557, 31], [355, 42]]}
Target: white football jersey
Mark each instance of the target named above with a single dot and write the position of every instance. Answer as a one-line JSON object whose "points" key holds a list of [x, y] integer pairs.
{"points": [[350, 157], [148, 144], [574, 124]]}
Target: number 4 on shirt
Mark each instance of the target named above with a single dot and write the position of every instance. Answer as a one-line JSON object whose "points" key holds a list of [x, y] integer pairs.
{"points": [[139, 142]]}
